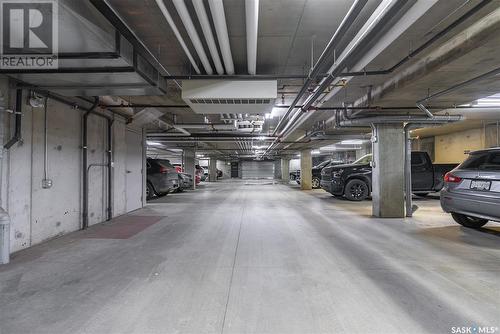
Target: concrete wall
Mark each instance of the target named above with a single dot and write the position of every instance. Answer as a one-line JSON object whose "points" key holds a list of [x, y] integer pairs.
{"points": [[39, 214], [450, 148]]}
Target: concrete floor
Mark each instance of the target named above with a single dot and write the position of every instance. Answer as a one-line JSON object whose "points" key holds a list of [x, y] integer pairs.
{"points": [[257, 258]]}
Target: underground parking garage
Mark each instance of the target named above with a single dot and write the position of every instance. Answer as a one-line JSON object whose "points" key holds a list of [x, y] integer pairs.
{"points": [[246, 166]]}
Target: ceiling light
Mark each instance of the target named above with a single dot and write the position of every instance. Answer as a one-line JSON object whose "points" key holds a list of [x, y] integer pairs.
{"points": [[153, 143], [351, 142], [330, 148], [316, 152]]}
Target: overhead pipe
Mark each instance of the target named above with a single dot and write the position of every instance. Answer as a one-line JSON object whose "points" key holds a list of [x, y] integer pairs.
{"points": [[401, 119], [325, 57], [387, 13], [420, 103], [177, 34], [5, 221], [384, 13], [252, 29], [180, 5], [199, 8], [18, 120], [219, 18]]}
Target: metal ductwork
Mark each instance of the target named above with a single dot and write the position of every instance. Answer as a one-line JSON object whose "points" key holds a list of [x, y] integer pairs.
{"points": [[98, 55]]}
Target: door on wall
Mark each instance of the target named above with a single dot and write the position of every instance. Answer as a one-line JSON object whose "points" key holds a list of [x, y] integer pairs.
{"points": [[257, 170], [134, 165], [235, 167]]}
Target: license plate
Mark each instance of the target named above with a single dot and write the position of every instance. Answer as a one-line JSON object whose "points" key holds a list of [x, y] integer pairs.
{"points": [[480, 185]]}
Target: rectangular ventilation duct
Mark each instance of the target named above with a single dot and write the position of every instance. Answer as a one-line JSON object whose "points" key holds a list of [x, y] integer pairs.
{"points": [[230, 96]]}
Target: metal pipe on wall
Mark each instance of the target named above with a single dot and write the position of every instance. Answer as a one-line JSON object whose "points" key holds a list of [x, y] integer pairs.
{"points": [[5, 221], [85, 166], [18, 120], [46, 182]]}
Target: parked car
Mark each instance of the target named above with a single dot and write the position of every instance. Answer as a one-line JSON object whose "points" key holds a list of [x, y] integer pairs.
{"points": [[162, 178], [200, 173], [316, 172], [472, 190], [185, 181], [354, 181]]}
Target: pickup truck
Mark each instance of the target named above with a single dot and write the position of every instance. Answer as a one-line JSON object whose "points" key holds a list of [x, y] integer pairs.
{"points": [[354, 181]]}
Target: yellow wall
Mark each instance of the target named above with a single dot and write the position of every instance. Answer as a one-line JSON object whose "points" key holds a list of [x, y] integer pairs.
{"points": [[450, 148]]}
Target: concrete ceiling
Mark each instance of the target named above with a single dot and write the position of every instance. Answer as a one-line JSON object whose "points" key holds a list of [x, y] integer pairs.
{"points": [[288, 29]]}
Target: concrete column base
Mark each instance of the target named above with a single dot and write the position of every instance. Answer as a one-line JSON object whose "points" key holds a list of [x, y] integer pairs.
{"points": [[212, 170], [189, 162], [388, 171], [306, 170], [285, 170]]}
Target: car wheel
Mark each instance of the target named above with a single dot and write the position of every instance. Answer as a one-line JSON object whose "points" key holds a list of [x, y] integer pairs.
{"points": [[315, 183], [467, 221], [150, 192], [356, 190]]}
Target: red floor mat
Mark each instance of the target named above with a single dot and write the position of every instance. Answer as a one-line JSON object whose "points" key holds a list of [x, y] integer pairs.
{"points": [[123, 227]]}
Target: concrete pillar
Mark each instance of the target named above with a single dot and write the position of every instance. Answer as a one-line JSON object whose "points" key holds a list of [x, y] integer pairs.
{"points": [[388, 171], [189, 162], [306, 170], [212, 170], [285, 170]]}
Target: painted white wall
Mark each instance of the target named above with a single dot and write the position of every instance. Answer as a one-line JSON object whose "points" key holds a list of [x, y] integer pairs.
{"points": [[39, 214], [294, 165]]}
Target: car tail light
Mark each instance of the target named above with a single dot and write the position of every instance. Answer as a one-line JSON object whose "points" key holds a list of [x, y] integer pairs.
{"points": [[450, 178]]}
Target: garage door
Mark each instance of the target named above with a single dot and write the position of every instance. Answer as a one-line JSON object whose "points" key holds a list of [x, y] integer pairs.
{"points": [[257, 170]]}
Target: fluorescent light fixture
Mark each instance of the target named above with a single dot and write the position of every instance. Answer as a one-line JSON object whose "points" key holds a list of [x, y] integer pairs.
{"points": [[315, 152], [200, 155], [260, 138], [259, 147], [351, 142], [153, 143], [278, 112], [490, 101], [330, 148]]}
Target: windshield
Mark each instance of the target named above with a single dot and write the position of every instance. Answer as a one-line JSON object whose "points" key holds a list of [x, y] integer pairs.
{"points": [[363, 160]]}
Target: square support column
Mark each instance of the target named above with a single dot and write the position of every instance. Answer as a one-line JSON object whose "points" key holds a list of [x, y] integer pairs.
{"points": [[189, 162], [285, 170], [388, 171], [212, 170], [306, 170]]}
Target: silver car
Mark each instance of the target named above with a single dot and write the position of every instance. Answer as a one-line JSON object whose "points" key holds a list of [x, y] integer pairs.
{"points": [[472, 190]]}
